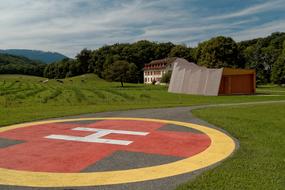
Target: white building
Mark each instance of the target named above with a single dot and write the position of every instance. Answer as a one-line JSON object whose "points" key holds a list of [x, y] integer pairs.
{"points": [[154, 70]]}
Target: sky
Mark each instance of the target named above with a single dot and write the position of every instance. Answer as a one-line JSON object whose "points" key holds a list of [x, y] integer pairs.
{"points": [[68, 26]]}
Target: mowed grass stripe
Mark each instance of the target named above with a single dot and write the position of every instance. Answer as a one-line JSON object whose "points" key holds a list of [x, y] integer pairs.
{"points": [[19, 88], [51, 94], [120, 93], [7, 86], [28, 93], [92, 97], [10, 85], [97, 93], [80, 97]]}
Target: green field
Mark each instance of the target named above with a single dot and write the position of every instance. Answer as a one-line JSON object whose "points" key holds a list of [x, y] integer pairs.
{"points": [[26, 98], [260, 161], [258, 164]]}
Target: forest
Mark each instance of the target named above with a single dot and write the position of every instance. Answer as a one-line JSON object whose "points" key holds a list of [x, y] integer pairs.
{"points": [[266, 55], [12, 64]]}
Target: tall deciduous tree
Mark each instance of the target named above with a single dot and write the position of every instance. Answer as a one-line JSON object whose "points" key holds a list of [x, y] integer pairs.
{"points": [[261, 54], [278, 70], [120, 71], [181, 51], [83, 60], [218, 52]]}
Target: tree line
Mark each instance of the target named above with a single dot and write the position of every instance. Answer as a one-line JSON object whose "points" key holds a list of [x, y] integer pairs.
{"points": [[266, 55], [12, 64], [100, 61]]}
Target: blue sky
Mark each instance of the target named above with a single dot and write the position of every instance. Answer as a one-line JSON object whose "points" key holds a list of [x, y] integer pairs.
{"points": [[68, 26]]}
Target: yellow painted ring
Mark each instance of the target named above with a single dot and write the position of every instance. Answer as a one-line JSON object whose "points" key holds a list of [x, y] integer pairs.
{"points": [[221, 147]]}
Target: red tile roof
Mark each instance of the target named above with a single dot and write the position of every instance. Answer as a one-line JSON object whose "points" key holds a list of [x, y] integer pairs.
{"points": [[159, 64]]}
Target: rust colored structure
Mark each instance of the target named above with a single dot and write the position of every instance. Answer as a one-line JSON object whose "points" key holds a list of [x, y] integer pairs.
{"points": [[190, 78], [237, 81]]}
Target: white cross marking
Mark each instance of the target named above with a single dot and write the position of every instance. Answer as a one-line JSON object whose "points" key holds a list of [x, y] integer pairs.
{"points": [[96, 137]]}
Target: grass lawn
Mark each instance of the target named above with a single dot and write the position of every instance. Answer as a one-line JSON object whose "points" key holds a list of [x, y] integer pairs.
{"points": [[27, 98], [260, 161], [258, 164]]}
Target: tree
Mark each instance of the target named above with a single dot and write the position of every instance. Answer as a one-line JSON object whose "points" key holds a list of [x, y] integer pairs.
{"points": [[261, 54], [133, 74], [83, 59], [61, 69], [162, 50], [166, 77], [12, 64], [181, 51], [219, 52], [121, 71], [278, 70]]}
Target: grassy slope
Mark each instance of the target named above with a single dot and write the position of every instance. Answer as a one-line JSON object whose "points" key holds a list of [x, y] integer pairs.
{"points": [[26, 98], [259, 163]]}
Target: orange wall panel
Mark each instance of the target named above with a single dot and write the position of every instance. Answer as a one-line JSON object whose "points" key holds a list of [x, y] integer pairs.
{"points": [[237, 84]]}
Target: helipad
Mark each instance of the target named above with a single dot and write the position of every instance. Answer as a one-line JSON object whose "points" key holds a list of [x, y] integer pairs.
{"points": [[105, 151]]}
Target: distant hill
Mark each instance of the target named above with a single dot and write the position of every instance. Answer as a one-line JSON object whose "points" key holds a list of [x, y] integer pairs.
{"points": [[12, 64], [45, 57]]}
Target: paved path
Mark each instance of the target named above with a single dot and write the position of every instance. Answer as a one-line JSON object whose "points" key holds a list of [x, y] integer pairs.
{"points": [[182, 114]]}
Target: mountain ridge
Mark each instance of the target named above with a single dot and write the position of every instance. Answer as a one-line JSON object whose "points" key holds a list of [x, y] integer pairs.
{"points": [[39, 55]]}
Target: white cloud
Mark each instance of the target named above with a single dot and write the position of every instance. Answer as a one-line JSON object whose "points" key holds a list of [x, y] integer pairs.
{"points": [[40, 24], [69, 26], [260, 31], [267, 6]]}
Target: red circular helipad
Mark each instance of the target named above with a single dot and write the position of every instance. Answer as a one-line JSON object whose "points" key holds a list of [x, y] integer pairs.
{"points": [[78, 148]]}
